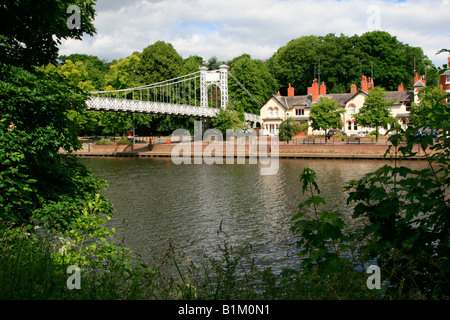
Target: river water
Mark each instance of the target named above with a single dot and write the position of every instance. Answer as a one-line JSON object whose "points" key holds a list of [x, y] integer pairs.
{"points": [[159, 205]]}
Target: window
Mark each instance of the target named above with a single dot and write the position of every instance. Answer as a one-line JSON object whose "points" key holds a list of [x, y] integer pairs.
{"points": [[270, 112], [299, 112], [351, 109], [275, 112], [408, 106], [448, 78], [355, 126], [349, 125]]}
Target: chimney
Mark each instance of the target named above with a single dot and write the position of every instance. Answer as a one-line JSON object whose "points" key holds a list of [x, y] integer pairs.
{"points": [[291, 91], [416, 78], [364, 84], [401, 87], [323, 88], [278, 93], [353, 89], [314, 90], [371, 85]]}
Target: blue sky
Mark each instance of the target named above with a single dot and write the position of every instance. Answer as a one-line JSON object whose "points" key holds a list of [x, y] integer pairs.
{"points": [[229, 28]]}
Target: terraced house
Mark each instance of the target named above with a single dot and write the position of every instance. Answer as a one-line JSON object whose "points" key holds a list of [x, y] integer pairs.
{"points": [[278, 108]]}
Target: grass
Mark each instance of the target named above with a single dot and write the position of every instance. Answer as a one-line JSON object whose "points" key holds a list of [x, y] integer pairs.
{"points": [[28, 271]]}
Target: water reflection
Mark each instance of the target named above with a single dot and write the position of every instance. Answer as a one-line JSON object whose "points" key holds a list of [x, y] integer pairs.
{"points": [[158, 203]]}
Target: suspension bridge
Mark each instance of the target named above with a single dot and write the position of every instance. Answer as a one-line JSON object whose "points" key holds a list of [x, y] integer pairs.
{"points": [[190, 95]]}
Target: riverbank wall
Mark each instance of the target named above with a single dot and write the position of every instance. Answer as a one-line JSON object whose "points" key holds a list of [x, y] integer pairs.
{"points": [[214, 149]]}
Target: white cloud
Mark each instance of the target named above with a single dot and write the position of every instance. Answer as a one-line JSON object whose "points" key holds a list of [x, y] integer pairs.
{"points": [[229, 28]]}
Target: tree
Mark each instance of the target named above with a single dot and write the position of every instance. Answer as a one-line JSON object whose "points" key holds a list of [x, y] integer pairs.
{"points": [[228, 119], [95, 68], [39, 185], [76, 75], [376, 111], [326, 114], [32, 32], [288, 128], [342, 60], [294, 63], [158, 62], [213, 63], [255, 77], [422, 115], [190, 65], [122, 74]]}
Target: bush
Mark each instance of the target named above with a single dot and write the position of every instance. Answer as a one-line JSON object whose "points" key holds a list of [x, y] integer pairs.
{"points": [[339, 135], [104, 142], [124, 141]]}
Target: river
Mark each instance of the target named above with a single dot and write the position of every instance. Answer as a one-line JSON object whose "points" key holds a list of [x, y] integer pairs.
{"points": [[159, 204]]}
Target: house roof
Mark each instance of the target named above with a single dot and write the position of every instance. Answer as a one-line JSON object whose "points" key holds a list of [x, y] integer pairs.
{"points": [[341, 98], [286, 102], [400, 96], [290, 102]]}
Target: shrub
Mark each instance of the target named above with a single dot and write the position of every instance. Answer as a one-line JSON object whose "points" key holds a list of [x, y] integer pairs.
{"points": [[124, 141], [104, 142], [339, 135]]}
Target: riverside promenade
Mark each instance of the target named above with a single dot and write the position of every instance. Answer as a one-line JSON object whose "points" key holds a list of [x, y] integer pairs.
{"points": [[292, 150]]}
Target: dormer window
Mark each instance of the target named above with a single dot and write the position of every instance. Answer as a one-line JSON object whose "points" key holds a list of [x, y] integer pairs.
{"points": [[299, 112]]}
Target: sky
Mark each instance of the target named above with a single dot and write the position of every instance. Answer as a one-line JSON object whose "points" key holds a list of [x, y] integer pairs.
{"points": [[229, 28]]}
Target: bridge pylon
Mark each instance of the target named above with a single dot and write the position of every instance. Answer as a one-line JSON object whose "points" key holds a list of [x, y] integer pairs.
{"points": [[214, 77]]}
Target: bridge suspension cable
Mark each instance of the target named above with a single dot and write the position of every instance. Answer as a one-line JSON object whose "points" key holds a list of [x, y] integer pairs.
{"points": [[245, 89]]}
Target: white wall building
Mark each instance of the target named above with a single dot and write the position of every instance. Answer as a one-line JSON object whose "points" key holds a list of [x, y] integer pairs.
{"points": [[278, 108]]}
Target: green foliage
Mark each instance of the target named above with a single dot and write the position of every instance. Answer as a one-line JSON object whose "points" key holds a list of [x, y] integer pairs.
{"points": [[288, 128], [376, 110], [228, 119], [122, 74], [39, 185], [191, 65], [96, 68], [324, 246], [255, 77], [213, 63], [76, 75], [124, 141], [34, 32], [339, 135], [294, 63], [404, 214], [34, 267], [158, 62], [104, 142], [326, 114], [344, 59]]}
